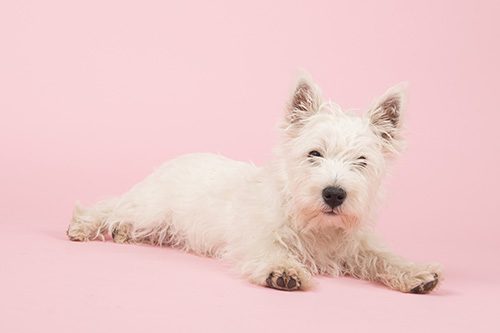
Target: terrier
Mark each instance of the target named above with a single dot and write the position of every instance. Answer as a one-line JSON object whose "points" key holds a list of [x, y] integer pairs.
{"points": [[309, 211]]}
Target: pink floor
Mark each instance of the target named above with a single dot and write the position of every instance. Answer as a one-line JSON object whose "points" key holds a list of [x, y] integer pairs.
{"points": [[52, 284]]}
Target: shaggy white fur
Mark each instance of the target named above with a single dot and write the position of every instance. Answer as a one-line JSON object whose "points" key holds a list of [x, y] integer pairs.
{"points": [[309, 211]]}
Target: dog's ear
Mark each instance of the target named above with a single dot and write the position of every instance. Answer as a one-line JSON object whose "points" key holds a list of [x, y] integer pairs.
{"points": [[386, 117], [304, 102]]}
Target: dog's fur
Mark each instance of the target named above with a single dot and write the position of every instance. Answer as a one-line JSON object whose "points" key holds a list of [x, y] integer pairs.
{"points": [[272, 223]]}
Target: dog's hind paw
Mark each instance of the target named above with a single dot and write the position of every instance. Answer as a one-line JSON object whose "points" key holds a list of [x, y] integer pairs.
{"points": [[287, 279], [122, 233], [85, 231]]}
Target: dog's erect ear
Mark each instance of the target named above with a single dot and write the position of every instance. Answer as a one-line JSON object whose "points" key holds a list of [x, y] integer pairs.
{"points": [[305, 101], [386, 117]]}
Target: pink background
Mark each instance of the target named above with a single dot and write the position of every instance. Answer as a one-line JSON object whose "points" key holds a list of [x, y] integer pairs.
{"points": [[95, 94]]}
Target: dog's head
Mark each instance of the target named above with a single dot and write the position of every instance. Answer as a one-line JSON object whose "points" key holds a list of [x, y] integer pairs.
{"points": [[334, 161]]}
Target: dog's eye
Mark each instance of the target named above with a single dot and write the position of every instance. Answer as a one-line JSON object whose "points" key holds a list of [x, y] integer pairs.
{"points": [[314, 153], [361, 161]]}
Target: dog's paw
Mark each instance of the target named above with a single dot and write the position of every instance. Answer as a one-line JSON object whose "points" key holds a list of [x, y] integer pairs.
{"points": [[412, 278], [426, 286], [121, 233], [284, 279], [77, 235], [84, 231]]}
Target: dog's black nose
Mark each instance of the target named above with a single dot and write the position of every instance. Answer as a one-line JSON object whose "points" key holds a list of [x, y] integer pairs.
{"points": [[334, 196]]}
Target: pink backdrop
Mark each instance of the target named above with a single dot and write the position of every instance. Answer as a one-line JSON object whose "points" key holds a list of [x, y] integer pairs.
{"points": [[95, 94]]}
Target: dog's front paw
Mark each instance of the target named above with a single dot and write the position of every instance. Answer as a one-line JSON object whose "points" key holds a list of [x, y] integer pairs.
{"points": [[284, 279], [427, 285], [412, 278]]}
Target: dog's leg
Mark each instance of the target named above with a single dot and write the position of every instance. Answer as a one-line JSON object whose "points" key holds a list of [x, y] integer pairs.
{"points": [[122, 233], [94, 223], [128, 222], [89, 223], [271, 265], [374, 263]]}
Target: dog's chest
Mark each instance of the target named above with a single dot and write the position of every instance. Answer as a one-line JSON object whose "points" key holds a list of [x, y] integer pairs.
{"points": [[323, 252]]}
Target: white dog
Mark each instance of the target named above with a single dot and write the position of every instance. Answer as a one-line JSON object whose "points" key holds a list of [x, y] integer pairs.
{"points": [[307, 212]]}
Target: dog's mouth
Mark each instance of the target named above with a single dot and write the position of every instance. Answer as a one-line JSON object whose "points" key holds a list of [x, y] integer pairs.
{"points": [[331, 212]]}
